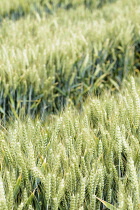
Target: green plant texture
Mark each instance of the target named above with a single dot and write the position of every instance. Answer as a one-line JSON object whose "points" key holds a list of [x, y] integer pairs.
{"points": [[69, 105], [75, 156], [50, 60]]}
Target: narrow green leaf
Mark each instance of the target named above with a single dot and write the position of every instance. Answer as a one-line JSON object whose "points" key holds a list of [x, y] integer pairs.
{"points": [[108, 205]]}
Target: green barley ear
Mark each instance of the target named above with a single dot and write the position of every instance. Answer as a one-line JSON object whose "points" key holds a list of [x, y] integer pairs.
{"points": [[10, 199], [99, 193], [83, 167], [20, 207], [86, 122], [119, 146], [109, 195], [48, 187], [61, 189], [73, 178], [121, 196], [93, 202], [134, 183], [72, 202], [82, 190], [110, 160], [108, 186], [25, 195], [101, 175], [3, 204], [92, 182], [53, 186], [100, 149], [55, 204], [130, 203], [79, 145]]}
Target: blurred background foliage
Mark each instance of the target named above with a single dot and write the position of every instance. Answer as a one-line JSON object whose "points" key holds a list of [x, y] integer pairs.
{"points": [[50, 57]]}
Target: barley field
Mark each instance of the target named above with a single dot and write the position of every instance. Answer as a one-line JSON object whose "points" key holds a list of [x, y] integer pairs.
{"points": [[69, 105]]}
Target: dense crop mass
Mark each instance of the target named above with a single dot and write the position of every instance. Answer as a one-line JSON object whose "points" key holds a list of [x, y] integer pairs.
{"points": [[69, 105], [75, 156]]}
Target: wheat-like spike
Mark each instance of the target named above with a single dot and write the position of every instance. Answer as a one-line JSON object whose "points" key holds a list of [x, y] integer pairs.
{"points": [[25, 196], [134, 180], [55, 203], [93, 202], [110, 160], [83, 167], [92, 183], [48, 187], [99, 194], [119, 146], [3, 204], [8, 156], [73, 176], [115, 174], [130, 203], [82, 191], [100, 149], [109, 196], [20, 207], [60, 191], [121, 196], [101, 174], [108, 189], [10, 199], [53, 186], [72, 202]]}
